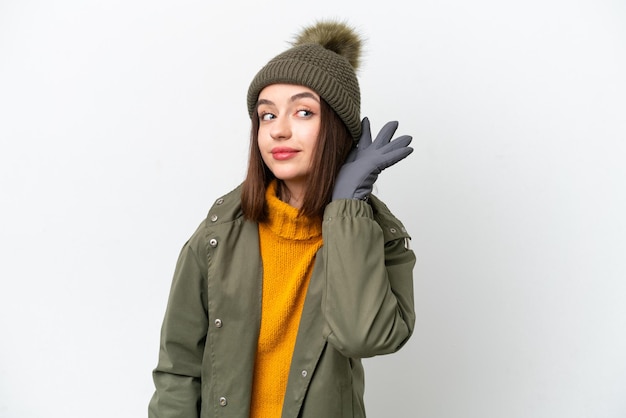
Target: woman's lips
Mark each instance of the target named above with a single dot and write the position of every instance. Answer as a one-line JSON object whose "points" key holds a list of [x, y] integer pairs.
{"points": [[282, 153]]}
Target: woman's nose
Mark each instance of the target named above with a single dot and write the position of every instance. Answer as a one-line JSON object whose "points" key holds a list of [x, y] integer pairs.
{"points": [[281, 129]]}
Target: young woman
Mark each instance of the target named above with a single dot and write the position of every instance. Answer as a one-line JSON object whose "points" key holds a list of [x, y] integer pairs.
{"points": [[299, 272]]}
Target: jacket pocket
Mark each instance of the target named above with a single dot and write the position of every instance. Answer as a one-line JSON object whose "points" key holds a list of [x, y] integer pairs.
{"points": [[330, 393]]}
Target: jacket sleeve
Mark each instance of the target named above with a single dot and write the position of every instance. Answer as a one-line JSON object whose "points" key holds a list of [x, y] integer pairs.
{"points": [[368, 301], [177, 376]]}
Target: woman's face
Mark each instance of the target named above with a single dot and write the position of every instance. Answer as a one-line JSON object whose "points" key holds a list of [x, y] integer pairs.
{"points": [[289, 125]]}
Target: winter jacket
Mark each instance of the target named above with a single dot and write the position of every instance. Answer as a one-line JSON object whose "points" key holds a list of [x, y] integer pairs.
{"points": [[359, 304]]}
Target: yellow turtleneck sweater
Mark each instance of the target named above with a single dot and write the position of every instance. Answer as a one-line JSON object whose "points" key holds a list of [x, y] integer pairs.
{"points": [[288, 244]]}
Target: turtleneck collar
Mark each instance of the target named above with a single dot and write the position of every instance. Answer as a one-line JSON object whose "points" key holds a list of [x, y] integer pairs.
{"points": [[285, 221]]}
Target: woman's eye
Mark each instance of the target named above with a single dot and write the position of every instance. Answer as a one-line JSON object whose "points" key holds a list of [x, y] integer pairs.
{"points": [[266, 116], [304, 113]]}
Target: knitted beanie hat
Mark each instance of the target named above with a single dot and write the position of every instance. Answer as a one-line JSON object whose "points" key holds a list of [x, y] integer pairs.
{"points": [[324, 57]]}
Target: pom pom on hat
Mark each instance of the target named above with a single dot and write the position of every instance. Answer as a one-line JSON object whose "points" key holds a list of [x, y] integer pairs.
{"points": [[324, 57], [335, 36]]}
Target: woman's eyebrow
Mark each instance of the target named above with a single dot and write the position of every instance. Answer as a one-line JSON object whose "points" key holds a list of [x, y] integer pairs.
{"points": [[304, 94], [264, 102]]}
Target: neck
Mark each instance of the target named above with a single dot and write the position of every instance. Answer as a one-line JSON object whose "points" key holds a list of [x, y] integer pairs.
{"points": [[291, 193]]}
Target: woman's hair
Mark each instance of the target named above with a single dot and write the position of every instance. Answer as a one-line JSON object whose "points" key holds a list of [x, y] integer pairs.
{"points": [[332, 147]]}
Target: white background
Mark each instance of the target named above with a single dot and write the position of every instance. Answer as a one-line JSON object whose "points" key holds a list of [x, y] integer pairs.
{"points": [[122, 121]]}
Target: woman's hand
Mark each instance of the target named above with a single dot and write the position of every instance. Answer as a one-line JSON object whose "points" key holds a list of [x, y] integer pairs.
{"points": [[364, 163]]}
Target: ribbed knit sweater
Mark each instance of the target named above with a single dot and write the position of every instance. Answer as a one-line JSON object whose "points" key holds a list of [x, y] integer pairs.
{"points": [[288, 244]]}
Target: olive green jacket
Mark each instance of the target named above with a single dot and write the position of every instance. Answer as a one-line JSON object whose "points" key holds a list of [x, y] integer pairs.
{"points": [[359, 304]]}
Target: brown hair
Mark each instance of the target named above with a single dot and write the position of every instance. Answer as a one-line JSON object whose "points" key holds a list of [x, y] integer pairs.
{"points": [[332, 147]]}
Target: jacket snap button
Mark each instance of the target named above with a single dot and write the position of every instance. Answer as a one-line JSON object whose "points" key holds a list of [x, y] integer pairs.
{"points": [[393, 230], [218, 323], [213, 242], [219, 201], [223, 401], [213, 218], [304, 373]]}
